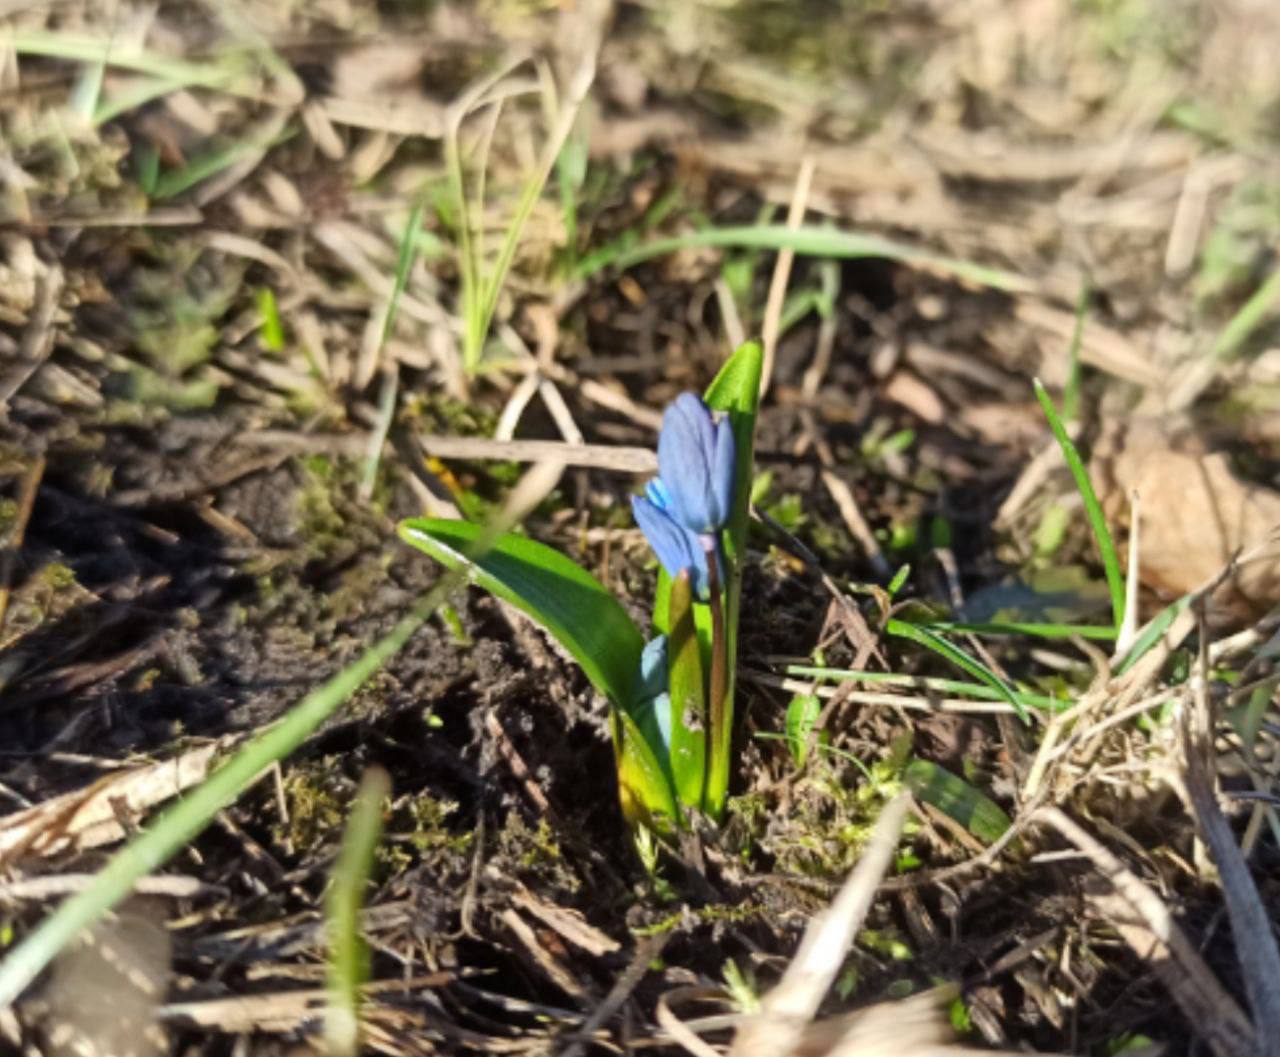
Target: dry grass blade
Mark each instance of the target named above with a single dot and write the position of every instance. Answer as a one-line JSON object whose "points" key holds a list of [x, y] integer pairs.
{"points": [[1250, 923], [1148, 927], [787, 1010]]}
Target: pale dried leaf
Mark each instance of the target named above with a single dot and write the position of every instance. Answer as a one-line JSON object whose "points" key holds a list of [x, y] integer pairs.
{"points": [[1196, 516]]}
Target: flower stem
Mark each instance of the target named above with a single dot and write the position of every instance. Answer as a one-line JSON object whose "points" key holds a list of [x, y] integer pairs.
{"points": [[716, 735]]}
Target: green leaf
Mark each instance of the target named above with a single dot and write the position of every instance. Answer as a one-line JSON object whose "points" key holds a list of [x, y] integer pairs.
{"points": [[1154, 632], [554, 590], [688, 697], [1092, 508], [959, 658], [802, 714], [735, 390], [574, 607], [644, 788], [957, 799], [349, 965], [807, 242]]}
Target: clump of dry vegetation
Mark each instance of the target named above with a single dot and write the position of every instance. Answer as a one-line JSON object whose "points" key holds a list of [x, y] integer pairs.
{"points": [[273, 277]]}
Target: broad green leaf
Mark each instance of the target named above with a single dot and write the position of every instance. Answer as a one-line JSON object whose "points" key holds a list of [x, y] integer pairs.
{"points": [[644, 789], [959, 658], [957, 799], [802, 714], [552, 589], [688, 697]]}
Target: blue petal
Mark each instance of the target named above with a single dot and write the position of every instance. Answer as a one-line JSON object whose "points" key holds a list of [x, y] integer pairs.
{"points": [[676, 547], [686, 456], [658, 495], [724, 471]]}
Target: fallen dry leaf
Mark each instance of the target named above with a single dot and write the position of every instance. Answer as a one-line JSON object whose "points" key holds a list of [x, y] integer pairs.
{"points": [[1195, 516]]}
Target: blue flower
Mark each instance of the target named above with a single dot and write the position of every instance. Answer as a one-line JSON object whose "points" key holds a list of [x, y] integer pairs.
{"points": [[696, 466], [676, 547]]}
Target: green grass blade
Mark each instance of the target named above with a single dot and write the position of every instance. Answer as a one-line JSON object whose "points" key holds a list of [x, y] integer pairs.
{"points": [[201, 168], [171, 832], [1247, 319], [1153, 632], [807, 242], [958, 657], [554, 590], [957, 799], [348, 968], [76, 47], [1092, 508], [1023, 627], [979, 691]]}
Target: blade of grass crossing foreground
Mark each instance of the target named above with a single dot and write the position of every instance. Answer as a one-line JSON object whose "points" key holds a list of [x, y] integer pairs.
{"points": [[348, 952], [184, 820], [1092, 508], [176, 826]]}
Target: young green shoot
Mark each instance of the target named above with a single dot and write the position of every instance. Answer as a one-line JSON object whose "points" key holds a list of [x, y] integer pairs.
{"points": [[348, 968], [1092, 508]]}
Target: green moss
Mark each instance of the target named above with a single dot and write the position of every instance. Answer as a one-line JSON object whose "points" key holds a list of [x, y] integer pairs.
{"points": [[536, 851], [317, 795], [431, 825], [57, 576]]}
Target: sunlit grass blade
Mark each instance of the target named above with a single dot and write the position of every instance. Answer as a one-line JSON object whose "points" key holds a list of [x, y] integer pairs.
{"points": [[1092, 508], [176, 827], [805, 241], [957, 799], [1153, 632], [958, 657], [1034, 629], [481, 283], [349, 965], [978, 691], [77, 47], [172, 831]]}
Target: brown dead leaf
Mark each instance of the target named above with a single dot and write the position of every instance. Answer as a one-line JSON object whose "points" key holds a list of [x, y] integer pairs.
{"points": [[1196, 515]]}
